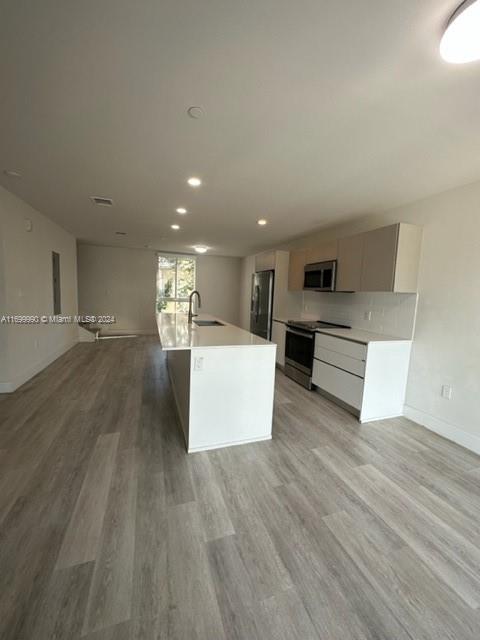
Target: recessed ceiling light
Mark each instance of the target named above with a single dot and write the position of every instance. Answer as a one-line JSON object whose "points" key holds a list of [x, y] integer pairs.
{"points": [[175, 227], [262, 222], [120, 233], [195, 112], [181, 210], [101, 201], [201, 249], [194, 182], [461, 40], [12, 173]]}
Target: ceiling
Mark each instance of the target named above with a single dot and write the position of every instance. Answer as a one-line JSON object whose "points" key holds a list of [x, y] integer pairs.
{"points": [[314, 112]]}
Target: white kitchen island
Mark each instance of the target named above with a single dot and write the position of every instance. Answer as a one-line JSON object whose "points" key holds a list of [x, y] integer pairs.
{"points": [[222, 378]]}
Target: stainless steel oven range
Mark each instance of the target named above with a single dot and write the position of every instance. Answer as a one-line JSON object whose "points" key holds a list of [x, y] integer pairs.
{"points": [[300, 347]]}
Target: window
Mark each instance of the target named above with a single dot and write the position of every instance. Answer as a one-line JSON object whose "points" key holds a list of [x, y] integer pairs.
{"points": [[175, 282]]}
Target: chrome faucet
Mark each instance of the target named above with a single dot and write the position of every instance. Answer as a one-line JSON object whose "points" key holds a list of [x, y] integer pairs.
{"points": [[191, 315]]}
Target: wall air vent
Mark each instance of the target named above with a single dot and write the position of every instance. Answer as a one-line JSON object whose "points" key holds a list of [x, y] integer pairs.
{"points": [[102, 202]]}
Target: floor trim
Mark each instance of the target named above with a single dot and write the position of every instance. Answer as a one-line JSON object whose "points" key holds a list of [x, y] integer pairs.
{"points": [[25, 376], [222, 445], [443, 428]]}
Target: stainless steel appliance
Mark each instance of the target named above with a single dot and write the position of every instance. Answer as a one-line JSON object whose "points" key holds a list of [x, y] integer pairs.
{"points": [[261, 304], [300, 347], [320, 276]]}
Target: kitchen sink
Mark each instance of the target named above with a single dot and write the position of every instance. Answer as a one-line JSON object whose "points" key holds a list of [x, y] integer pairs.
{"points": [[208, 323]]}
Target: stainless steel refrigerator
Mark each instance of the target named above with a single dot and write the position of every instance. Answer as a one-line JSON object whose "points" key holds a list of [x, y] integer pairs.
{"points": [[261, 305]]}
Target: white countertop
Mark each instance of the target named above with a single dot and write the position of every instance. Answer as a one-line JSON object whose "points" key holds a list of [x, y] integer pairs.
{"points": [[177, 334], [358, 335]]}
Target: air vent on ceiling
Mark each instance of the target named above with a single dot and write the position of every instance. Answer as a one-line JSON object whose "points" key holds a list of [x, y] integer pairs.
{"points": [[102, 202]]}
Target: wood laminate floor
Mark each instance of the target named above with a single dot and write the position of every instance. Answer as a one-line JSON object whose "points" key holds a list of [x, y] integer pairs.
{"points": [[331, 531]]}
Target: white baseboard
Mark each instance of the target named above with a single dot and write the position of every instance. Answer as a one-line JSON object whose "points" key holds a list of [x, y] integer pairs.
{"points": [[120, 332], [25, 376], [379, 418], [445, 429], [223, 445]]}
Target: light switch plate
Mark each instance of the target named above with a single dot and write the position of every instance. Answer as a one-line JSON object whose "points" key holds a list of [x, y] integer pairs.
{"points": [[447, 392], [198, 364]]}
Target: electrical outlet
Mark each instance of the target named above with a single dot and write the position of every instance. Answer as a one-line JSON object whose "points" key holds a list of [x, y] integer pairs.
{"points": [[367, 316], [447, 392], [198, 364]]}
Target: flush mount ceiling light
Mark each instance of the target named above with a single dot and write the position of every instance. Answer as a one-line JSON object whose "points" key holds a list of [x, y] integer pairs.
{"points": [[194, 182], [12, 173], [175, 227], [201, 249], [262, 222], [461, 40], [181, 210]]}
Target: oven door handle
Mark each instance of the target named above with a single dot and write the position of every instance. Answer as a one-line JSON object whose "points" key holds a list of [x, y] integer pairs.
{"points": [[310, 336]]}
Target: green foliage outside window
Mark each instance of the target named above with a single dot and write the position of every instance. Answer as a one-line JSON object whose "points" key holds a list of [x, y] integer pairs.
{"points": [[175, 282]]}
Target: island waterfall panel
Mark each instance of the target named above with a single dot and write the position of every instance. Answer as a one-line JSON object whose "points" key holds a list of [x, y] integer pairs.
{"points": [[223, 382]]}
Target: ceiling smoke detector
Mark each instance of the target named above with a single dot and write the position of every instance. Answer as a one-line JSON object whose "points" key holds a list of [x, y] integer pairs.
{"points": [[195, 112], [101, 201]]}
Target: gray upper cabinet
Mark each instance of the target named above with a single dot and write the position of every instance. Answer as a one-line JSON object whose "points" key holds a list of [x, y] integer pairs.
{"points": [[296, 269], [391, 259], [350, 262], [385, 259], [322, 252], [379, 258]]}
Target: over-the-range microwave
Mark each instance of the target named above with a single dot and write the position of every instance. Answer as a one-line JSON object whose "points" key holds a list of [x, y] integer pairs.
{"points": [[320, 276]]}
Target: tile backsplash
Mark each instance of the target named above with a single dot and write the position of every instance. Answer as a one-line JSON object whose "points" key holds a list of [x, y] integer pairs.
{"points": [[386, 313]]}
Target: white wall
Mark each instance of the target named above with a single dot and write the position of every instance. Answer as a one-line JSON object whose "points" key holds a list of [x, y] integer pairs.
{"points": [[3, 329], [218, 280], [121, 282], [26, 289], [446, 347]]}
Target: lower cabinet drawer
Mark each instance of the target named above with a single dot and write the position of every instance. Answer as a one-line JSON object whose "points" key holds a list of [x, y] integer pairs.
{"points": [[352, 365], [340, 345], [338, 383]]}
